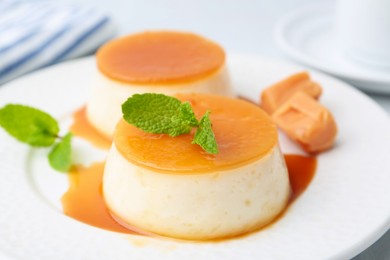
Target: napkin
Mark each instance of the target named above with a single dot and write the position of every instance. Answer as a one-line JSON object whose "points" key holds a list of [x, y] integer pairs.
{"points": [[37, 34]]}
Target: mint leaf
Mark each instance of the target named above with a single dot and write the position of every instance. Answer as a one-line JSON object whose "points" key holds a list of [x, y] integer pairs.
{"points": [[29, 125], [204, 135], [60, 157], [37, 128], [159, 114], [187, 114]]}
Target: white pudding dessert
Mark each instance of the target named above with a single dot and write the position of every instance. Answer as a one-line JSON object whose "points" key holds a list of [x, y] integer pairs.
{"points": [[168, 186], [153, 62]]}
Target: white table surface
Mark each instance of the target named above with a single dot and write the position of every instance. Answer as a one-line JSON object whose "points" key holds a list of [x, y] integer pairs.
{"points": [[244, 26]]}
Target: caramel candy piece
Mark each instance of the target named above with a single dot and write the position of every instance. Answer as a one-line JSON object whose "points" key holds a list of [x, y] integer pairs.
{"points": [[273, 97], [306, 121]]}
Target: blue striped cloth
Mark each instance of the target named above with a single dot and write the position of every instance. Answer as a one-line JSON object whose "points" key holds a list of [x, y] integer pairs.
{"points": [[36, 34]]}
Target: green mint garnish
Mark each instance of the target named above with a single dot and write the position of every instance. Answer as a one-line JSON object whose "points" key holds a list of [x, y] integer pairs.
{"points": [[60, 156], [204, 135], [38, 129], [29, 125], [161, 114]]}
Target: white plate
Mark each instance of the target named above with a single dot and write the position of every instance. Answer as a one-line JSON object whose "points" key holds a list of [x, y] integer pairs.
{"points": [[344, 210], [308, 36]]}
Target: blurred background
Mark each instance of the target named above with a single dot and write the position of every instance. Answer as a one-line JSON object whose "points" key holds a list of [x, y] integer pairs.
{"points": [[240, 26], [246, 26]]}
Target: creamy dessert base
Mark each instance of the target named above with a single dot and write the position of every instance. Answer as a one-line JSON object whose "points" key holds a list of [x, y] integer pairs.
{"points": [[195, 206], [105, 101]]}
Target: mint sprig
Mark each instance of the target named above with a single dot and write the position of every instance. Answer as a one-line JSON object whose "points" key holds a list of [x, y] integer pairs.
{"points": [[204, 135], [38, 129], [29, 125], [161, 114], [60, 156]]}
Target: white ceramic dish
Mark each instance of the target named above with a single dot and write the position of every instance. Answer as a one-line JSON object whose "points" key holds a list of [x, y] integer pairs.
{"points": [[308, 36], [343, 211]]}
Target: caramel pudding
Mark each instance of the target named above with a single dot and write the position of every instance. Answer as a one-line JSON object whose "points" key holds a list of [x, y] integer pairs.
{"points": [[153, 62], [168, 186]]}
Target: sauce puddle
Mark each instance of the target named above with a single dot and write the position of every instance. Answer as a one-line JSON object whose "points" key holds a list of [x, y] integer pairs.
{"points": [[301, 171], [83, 129], [84, 199]]}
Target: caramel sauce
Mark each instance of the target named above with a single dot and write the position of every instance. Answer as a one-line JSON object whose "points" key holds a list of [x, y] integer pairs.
{"points": [[84, 199], [238, 143], [248, 100], [301, 171], [160, 57], [83, 129]]}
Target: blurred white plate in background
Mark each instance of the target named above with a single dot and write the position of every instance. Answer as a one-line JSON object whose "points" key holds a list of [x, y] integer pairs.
{"points": [[308, 36]]}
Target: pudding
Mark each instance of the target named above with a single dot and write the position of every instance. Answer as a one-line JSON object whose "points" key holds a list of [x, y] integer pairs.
{"points": [[153, 62], [168, 186]]}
